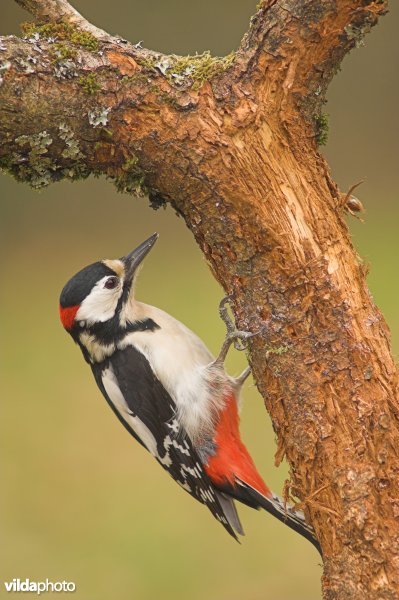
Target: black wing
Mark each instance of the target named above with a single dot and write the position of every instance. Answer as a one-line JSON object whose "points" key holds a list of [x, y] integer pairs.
{"points": [[148, 412]]}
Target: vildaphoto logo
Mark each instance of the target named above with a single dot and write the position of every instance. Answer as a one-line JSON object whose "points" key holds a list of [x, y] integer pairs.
{"points": [[39, 587]]}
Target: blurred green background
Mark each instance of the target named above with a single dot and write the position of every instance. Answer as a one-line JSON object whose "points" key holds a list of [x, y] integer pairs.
{"points": [[81, 500]]}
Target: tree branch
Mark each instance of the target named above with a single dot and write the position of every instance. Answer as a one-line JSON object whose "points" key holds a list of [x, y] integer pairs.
{"points": [[309, 38], [54, 11], [230, 143]]}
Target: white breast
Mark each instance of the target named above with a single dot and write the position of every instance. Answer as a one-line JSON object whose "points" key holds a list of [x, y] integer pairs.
{"points": [[181, 362]]}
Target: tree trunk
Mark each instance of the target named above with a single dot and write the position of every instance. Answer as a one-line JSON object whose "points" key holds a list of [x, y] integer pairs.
{"points": [[231, 144]]}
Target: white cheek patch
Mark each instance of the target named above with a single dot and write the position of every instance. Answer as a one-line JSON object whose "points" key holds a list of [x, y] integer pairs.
{"points": [[100, 305]]}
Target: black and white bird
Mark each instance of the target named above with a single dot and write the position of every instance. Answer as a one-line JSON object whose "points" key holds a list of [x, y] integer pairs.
{"points": [[168, 390]]}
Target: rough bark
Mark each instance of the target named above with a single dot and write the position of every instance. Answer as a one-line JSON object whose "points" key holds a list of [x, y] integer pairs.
{"points": [[231, 144]]}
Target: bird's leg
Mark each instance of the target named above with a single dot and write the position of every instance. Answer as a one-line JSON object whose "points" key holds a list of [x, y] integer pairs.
{"points": [[244, 375], [233, 335]]}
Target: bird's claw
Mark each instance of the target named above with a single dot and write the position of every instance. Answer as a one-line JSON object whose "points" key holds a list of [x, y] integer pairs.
{"points": [[234, 335], [224, 315], [240, 338]]}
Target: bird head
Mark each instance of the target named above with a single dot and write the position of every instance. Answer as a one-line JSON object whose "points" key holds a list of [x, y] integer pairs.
{"points": [[101, 292]]}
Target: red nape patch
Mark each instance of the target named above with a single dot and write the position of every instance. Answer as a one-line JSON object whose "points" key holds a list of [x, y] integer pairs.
{"points": [[232, 460], [67, 316]]}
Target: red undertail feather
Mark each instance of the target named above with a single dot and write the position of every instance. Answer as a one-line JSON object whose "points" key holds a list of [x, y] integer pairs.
{"points": [[232, 460], [67, 315]]}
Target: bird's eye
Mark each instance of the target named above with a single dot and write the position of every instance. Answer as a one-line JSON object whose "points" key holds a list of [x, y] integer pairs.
{"points": [[111, 283]]}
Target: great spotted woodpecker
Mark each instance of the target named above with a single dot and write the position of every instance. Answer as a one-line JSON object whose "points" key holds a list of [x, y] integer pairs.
{"points": [[168, 390]]}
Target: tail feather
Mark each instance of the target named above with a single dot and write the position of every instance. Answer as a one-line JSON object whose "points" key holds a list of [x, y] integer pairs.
{"points": [[285, 513], [230, 512]]}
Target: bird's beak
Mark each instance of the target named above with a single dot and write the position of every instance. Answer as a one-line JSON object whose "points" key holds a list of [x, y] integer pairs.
{"points": [[136, 256]]}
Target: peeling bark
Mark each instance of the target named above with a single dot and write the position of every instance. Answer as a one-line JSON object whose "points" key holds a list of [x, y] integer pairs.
{"points": [[230, 143]]}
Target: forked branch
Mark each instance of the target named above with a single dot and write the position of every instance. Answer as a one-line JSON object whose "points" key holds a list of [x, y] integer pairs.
{"points": [[231, 144]]}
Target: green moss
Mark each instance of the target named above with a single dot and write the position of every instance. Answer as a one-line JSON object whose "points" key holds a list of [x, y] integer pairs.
{"points": [[148, 62], [106, 134], [6, 163], [201, 68], [192, 71], [279, 350], [85, 40], [61, 31], [89, 83], [131, 181], [64, 40], [321, 128], [136, 78], [77, 172], [61, 52]]}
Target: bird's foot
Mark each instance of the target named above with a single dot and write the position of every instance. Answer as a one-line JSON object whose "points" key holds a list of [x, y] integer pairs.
{"points": [[233, 335]]}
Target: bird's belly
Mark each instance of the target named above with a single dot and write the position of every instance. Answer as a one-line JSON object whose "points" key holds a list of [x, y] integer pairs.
{"points": [[190, 377]]}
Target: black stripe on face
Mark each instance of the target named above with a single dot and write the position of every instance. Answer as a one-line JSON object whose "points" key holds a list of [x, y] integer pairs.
{"points": [[81, 284]]}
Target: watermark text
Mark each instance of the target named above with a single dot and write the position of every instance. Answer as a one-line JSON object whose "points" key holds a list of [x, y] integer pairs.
{"points": [[39, 587]]}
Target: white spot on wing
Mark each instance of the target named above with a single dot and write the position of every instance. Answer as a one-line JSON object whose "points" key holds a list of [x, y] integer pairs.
{"points": [[174, 426], [207, 495], [193, 472], [184, 485], [221, 519], [168, 442]]}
